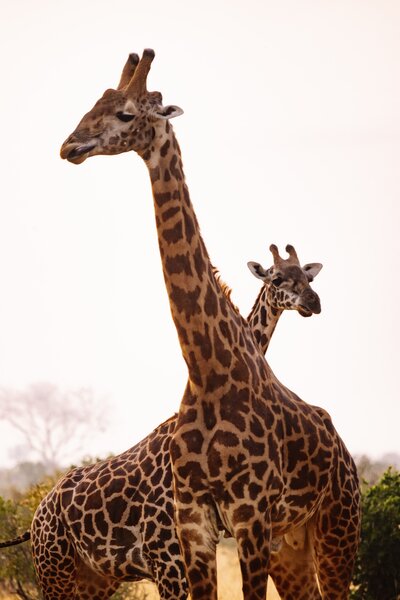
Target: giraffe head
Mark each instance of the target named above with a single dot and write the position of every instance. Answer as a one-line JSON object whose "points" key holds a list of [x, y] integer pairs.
{"points": [[123, 119], [289, 283]]}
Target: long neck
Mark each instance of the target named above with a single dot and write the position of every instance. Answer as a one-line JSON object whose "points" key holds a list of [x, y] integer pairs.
{"points": [[263, 319], [196, 299]]}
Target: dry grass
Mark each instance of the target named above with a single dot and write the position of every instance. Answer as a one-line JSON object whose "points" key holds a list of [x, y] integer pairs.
{"points": [[229, 578]]}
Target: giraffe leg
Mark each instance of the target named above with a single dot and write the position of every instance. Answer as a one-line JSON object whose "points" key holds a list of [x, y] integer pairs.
{"points": [[170, 580], [59, 590], [293, 573], [72, 580], [61, 574], [54, 560], [93, 586], [198, 538], [334, 568], [162, 554], [167, 568], [336, 536], [253, 540]]}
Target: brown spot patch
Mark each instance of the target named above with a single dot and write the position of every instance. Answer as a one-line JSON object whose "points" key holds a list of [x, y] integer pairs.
{"points": [[194, 440], [214, 462], [164, 148], [199, 263], [234, 405], [116, 508], [184, 301], [203, 341], [215, 381], [209, 414], [174, 167], [243, 514], [211, 302], [240, 372], [155, 174], [180, 263], [225, 438], [174, 234], [189, 225], [222, 354], [162, 198]]}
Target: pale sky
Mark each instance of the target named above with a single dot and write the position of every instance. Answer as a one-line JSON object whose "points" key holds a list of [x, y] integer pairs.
{"points": [[291, 134]]}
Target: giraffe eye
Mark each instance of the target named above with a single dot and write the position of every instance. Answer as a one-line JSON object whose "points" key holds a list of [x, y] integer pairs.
{"points": [[125, 117], [277, 281]]}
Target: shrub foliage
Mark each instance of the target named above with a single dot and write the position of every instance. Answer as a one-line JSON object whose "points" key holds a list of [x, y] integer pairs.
{"points": [[377, 573]]}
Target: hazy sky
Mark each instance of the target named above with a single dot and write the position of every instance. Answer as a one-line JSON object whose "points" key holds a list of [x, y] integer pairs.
{"points": [[291, 134]]}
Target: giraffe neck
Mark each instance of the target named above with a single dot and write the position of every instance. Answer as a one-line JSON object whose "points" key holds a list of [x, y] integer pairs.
{"points": [[263, 319], [196, 300]]}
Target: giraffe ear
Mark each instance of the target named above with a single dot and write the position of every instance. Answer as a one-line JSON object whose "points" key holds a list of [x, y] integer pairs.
{"points": [[258, 271], [311, 270], [168, 112]]}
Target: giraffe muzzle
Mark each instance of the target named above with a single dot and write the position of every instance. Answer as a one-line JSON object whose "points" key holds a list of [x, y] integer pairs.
{"points": [[76, 153], [309, 305]]}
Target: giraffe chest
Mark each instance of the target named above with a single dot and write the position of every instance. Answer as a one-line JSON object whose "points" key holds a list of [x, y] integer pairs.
{"points": [[247, 449]]}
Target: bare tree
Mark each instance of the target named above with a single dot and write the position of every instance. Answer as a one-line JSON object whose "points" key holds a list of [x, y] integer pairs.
{"points": [[54, 423]]}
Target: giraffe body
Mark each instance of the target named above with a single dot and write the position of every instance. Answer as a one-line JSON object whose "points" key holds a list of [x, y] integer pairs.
{"points": [[130, 502], [246, 451], [130, 535]]}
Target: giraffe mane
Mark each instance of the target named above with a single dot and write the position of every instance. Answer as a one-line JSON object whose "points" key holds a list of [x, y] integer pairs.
{"points": [[166, 422], [227, 291], [257, 299]]}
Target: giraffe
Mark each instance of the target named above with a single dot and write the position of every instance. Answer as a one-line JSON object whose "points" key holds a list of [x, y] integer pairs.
{"points": [[285, 287], [146, 550], [246, 451]]}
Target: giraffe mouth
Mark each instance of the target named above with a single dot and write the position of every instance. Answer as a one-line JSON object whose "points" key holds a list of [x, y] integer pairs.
{"points": [[304, 311], [76, 153]]}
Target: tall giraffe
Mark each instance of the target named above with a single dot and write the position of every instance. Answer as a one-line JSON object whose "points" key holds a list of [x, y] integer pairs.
{"points": [[147, 541], [245, 451]]}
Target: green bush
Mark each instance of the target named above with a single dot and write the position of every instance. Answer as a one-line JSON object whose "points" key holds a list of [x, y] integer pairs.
{"points": [[377, 573], [17, 575]]}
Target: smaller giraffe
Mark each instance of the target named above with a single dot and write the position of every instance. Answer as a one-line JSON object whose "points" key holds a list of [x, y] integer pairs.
{"points": [[112, 522], [286, 287]]}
